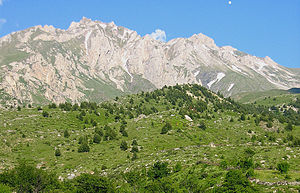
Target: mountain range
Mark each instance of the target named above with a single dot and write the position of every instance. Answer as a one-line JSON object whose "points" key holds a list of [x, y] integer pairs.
{"points": [[96, 61]]}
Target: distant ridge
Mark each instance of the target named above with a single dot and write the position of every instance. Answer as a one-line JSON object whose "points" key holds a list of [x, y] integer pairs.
{"points": [[96, 61]]}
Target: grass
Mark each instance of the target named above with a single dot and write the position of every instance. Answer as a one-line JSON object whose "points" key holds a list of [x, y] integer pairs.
{"points": [[27, 135]]}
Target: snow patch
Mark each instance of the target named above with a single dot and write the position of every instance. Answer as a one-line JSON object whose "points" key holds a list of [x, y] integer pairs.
{"points": [[87, 36], [236, 68], [205, 47], [220, 75], [230, 87], [196, 73], [261, 65]]}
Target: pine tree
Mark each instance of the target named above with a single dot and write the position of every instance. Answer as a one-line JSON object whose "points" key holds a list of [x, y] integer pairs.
{"points": [[124, 146], [57, 153]]}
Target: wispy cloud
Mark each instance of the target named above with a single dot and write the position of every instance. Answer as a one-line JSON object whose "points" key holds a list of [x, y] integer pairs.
{"points": [[2, 21], [159, 35], [1, 2]]}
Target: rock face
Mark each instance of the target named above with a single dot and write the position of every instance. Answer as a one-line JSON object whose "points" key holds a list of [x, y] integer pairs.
{"points": [[92, 60]]}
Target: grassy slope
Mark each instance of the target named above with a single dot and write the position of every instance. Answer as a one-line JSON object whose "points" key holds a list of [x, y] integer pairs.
{"points": [[268, 98], [185, 143]]}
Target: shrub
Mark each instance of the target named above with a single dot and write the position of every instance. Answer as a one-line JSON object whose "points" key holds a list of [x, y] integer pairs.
{"points": [[202, 126], [5, 189], [89, 183], [223, 165], [99, 131], [57, 153], [123, 146], [177, 167], [134, 149], [27, 178], [166, 128], [97, 138], [45, 114], [283, 167], [66, 133], [134, 142], [84, 147], [159, 170], [235, 181], [289, 127], [269, 124], [243, 117], [134, 156]]}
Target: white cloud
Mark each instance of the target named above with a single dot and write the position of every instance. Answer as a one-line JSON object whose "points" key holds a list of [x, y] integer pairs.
{"points": [[159, 35], [2, 21], [1, 2]]}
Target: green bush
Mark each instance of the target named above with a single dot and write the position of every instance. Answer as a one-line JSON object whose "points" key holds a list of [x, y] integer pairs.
{"points": [[57, 153], [5, 189], [45, 114], [289, 127], [123, 146], [88, 183], [167, 127], [283, 167], [159, 170], [26, 178], [84, 147], [235, 181], [66, 133], [97, 138]]}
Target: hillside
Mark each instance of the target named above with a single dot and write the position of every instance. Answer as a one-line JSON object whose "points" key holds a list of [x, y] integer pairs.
{"points": [[175, 139], [96, 61]]}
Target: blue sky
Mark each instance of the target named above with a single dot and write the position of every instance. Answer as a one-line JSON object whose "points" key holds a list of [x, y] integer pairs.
{"points": [[258, 27]]}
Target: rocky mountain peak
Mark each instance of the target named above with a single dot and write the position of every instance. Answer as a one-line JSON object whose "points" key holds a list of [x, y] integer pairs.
{"points": [[92, 60]]}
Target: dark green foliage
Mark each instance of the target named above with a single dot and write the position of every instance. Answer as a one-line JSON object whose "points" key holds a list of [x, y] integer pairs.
{"points": [[45, 114], [26, 178], [134, 149], [283, 167], [159, 170], [124, 146], [134, 156], [223, 164], [269, 124], [289, 127], [94, 123], [52, 106], [65, 106], [57, 152], [84, 147], [249, 152], [97, 138], [19, 108], [134, 142], [83, 139], [202, 125], [167, 127], [235, 181], [88, 183], [243, 117], [123, 131], [99, 131], [66, 133], [110, 134], [177, 167], [246, 163]]}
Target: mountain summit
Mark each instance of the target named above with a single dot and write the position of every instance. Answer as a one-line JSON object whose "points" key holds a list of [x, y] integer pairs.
{"points": [[92, 60]]}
